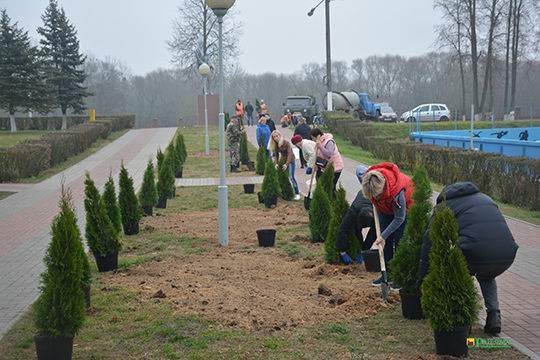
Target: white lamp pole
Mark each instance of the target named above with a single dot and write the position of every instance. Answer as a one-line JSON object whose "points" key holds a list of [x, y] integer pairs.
{"points": [[220, 8], [328, 57], [204, 70]]}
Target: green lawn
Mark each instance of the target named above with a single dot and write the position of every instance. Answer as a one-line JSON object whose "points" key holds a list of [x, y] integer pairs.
{"points": [[7, 138]]}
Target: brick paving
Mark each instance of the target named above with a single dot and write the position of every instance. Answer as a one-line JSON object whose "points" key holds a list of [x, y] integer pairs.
{"points": [[25, 219]]}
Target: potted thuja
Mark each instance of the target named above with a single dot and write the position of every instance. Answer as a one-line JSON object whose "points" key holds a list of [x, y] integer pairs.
{"points": [[148, 196], [130, 209], [59, 310], [405, 265], [449, 298], [270, 186], [165, 184], [101, 236]]}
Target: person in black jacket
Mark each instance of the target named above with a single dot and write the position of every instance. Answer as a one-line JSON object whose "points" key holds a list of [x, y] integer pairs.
{"points": [[270, 123], [359, 216], [485, 240], [303, 130]]}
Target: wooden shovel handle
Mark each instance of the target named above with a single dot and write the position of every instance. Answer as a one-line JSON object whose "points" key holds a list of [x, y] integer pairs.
{"points": [[378, 231]]}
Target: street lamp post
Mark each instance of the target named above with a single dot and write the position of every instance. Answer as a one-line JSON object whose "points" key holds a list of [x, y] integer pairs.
{"points": [[220, 8], [204, 70], [328, 58]]}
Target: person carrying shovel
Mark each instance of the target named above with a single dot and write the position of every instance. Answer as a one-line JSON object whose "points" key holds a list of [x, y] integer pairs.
{"points": [[390, 192]]}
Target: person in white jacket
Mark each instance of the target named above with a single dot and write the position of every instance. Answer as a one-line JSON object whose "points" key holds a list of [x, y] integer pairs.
{"points": [[308, 149]]}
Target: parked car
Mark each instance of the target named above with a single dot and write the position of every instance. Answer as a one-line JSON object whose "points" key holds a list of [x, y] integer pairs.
{"points": [[388, 114], [426, 112]]}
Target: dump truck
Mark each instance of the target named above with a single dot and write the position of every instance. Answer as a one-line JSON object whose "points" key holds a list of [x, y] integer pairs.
{"points": [[301, 104], [356, 104]]}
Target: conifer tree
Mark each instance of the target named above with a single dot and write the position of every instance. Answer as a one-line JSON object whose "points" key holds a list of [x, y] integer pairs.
{"points": [[175, 159], [354, 247], [130, 209], [449, 297], [287, 191], [165, 179], [244, 153], [22, 84], [326, 181], [180, 148], [406, 263], [59, 310], [270, 186], [63, 61], [261, 157], [159, 157], [148, 195], [320, 209], [257, 106], [110, 203], [101, 236]]}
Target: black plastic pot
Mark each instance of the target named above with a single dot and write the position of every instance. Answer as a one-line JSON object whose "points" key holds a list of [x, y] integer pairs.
{"points": [[371, 259], [107, 263], [411, 307], [162, 203], [244, 161], [267, 237], [60, 348], [131, 229], [261, 199], [453, 343], [147, 210], [178, 173], [86, 291], [248, 188], [268, 202]]}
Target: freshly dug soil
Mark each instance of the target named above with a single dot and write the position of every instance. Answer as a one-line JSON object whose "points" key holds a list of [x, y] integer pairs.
{"points": [[248, 286]]}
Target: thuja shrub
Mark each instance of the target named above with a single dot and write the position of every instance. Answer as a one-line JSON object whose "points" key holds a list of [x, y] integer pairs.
{"points": [[175, 160], [180, 147], [101, 236], [270, 186], [110, 203], [244, 154], [165, 178], [261, 157], [287, 191], [449, 297], [405, 265], [354, 247], [326, 181], [60, 308], [321, 211], [130, 209], [159, 157], [148, 195]]}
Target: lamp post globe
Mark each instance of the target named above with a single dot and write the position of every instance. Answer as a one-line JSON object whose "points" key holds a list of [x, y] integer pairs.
{"points": [[220, 8], [204, 70]]}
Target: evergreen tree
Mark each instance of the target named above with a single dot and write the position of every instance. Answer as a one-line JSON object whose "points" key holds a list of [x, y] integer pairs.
{"points": [[244, 153], [257, 106], [320, 209], [148, 195], [449, 297], [261, 158], [181, 149], [270, 186], [159, 157], [406, 263], [326, 181], [59, 310], [165, 178], [227, 119], [63, 61], [22, 84], [354, 247], [111, 204], [101, 236], [130, 210], [287, 191], [175, 159]]}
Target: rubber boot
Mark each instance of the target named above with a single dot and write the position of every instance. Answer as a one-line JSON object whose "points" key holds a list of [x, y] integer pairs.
{"points": [[234, 169], [493, 323]]}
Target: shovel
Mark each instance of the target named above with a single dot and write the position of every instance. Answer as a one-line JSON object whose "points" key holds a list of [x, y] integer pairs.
{"points": [[307, 199], [384, 282]]}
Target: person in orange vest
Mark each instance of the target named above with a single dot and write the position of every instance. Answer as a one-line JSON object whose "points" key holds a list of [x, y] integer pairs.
{"points": [[286, 120], [240, 111], [264, 110]]}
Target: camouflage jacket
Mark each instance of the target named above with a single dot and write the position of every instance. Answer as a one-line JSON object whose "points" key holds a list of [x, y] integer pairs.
{"points": [[234, 134]]}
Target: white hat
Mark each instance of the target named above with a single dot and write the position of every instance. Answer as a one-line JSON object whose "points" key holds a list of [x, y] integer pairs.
{"points": [[262, 100]]}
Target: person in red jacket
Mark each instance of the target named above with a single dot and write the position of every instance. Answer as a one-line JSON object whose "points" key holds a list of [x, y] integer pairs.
{"points": [[390, 191]]}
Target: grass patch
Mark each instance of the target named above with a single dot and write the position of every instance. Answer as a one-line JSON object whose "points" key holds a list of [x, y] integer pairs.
{"points": [[8, 139]]}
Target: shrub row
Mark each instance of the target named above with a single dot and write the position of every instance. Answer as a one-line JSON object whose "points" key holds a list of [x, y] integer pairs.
{"points": [[55, 122], [512, 179], [28, 158]]}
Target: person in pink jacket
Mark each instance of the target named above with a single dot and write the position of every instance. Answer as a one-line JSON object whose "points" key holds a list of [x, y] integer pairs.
{"points": [[327, 150]]}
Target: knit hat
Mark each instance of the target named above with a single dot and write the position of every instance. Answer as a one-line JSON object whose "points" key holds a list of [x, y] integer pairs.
{"points": [[360, 171], [296, 139]]}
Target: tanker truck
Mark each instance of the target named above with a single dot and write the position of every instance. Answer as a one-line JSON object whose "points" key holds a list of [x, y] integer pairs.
{"points": [[356, 104]]}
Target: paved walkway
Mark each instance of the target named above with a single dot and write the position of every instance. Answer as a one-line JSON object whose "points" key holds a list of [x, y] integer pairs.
{"points": [[25, 219]]}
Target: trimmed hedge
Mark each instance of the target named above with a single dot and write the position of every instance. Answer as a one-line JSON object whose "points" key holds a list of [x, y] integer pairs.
{"points": [[120, 122], [512, 179], [28, 158]]}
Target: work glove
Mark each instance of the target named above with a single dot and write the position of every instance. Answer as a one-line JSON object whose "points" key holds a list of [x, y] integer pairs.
{"points": [[346, 258], [308, 171], [360, 258]]}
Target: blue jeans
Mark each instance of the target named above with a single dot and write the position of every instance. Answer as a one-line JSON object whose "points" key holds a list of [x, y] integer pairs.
{"points": [[292, 167], [393, 240], [250, 119]]}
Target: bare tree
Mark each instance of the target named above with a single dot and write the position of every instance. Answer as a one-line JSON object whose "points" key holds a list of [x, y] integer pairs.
{"points": [[195, 37]]}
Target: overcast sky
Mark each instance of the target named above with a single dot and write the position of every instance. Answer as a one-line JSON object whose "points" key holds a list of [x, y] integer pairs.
{"points": [[135, 31]]}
